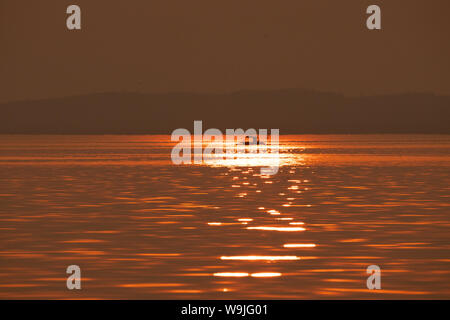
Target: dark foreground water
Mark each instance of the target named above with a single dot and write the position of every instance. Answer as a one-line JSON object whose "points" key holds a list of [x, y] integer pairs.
{"points": [[141, 227]]}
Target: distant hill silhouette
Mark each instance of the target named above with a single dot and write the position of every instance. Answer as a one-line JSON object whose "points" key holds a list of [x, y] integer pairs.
{"points": [[292, 111]]}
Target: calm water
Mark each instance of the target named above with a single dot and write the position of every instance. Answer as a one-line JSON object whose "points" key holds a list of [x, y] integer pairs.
{"points": [[140, 227]]}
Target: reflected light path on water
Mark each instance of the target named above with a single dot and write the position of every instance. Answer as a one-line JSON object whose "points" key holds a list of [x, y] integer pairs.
{"points": [[143, 228]]}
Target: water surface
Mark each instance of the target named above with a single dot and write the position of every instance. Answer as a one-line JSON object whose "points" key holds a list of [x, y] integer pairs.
{"points": [[142, 228]]}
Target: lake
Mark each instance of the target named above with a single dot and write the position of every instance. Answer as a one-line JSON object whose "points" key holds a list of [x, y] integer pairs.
{"points": [[140, 227]]}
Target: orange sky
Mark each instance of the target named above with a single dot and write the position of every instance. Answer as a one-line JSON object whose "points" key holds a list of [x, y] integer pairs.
{"points": [[221, 46]]}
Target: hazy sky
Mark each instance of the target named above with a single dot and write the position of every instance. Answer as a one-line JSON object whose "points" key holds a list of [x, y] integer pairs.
{"points": [[221, 46]]}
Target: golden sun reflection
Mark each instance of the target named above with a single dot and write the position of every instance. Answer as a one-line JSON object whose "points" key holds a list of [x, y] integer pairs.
{"points": [[214, 223], [287, 229], [249, 160], [231, 274], [266, 274], [253, 156], [224, 228], [299, 245], [255, 258], [151, 285], [245, 274]]}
